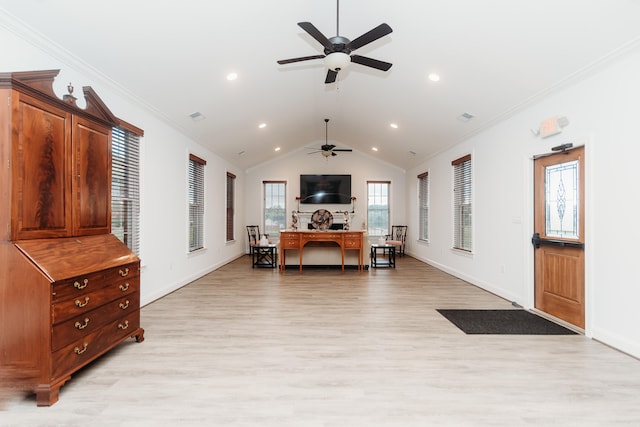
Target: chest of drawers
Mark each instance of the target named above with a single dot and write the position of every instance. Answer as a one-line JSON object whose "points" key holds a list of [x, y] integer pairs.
{"points": [[71, 301]]}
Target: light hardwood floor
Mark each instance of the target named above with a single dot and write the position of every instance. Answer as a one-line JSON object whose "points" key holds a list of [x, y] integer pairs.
{"points": [[252, 347]]}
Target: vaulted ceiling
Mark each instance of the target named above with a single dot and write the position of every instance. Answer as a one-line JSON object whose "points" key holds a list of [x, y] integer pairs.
{"points": [[493, 58]]}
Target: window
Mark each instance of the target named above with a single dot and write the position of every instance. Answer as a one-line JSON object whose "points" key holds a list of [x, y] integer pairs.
{"points": [[231, 200], [274, 207], [125, 185], [562, 199], [378, 208], [196, 203], [423, 204], [462, 218]]}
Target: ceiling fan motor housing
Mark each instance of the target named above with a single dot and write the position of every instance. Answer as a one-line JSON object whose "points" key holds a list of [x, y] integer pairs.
{"points": [[340, 44]]}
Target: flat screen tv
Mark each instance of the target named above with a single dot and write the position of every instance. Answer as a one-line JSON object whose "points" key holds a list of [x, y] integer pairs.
{"points": [[325, 189]]}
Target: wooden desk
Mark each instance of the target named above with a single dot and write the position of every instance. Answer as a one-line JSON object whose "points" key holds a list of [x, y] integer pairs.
{"points": [[346, 240]]}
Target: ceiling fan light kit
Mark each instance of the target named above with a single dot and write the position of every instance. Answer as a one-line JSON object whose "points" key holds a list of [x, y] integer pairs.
{"points": [[337, 61]]}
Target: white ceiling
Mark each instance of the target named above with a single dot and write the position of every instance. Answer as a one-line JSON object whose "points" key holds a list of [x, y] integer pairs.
{"points": [[493, 56]]}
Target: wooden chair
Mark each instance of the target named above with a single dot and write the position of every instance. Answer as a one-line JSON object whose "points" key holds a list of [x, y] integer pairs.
{"points": [[253, 232], [397, 238]]}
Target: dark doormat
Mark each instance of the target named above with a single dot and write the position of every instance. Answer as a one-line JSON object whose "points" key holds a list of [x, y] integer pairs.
{"points": [[514, 322]]}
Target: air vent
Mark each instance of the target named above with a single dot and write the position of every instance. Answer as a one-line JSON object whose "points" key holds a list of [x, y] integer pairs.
{"points": [[197, 116], [465, 117]]}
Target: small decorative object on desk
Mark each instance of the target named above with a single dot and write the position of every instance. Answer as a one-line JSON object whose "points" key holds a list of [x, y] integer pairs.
{"points": [[345, 225], [294, 220], [264, 240], [382, 241]]}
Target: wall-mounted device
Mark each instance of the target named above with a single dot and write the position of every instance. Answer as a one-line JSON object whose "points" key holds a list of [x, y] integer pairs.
{"points": [[325, 189]]}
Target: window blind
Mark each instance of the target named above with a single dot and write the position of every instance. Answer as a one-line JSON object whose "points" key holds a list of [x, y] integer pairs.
{"points": [[423, 203], [462, 207], [231, 188], [125, 187], [196, 202]]}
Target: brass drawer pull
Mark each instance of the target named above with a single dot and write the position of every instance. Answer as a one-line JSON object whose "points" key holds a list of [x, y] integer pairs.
{"points": [[81, 304], [82, 325], [124, 272], [124, 287], [82, 285], [124, 325], [79, 350], [124, 305]]}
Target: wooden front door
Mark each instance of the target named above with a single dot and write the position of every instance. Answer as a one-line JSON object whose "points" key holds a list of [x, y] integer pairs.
{"points": [[559, 235]]}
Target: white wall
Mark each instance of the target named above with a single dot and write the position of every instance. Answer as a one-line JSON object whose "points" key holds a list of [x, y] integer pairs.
{"points": [[602, 110], [361, 167], [166, 264]]}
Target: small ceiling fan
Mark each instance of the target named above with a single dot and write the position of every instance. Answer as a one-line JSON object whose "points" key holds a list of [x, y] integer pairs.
{"points": [[337, 49], [327, 149]]}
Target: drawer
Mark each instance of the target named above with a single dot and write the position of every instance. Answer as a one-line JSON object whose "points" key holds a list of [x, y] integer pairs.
{"points": [[77, 286], [322, 236], [351, 243], [289, 243], [78, 353], [357, 236], [284, 235], [80, 326], [88, 301]]}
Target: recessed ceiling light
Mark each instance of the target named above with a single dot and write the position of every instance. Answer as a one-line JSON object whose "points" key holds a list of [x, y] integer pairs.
{"points": [[277, 149], [197, 116], [394, 125], [434, 77], [374, 148], [262, 125], [232, 76]]}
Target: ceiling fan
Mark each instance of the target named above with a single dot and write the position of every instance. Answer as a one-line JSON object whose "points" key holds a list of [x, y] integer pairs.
{"points": [[337, 49], [327, 149]]}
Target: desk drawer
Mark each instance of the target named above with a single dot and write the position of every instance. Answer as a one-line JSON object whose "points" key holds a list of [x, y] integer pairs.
{"points": [[78, 286], [352, 243], [285, 235], [289, 241], [85, 349], [80, 326], [88, 301], [321, 235]]}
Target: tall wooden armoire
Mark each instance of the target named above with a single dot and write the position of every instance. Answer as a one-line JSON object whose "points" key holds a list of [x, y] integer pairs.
{"points": [[69, 289]]}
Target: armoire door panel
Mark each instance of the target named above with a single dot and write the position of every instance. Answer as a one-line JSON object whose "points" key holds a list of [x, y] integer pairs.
{"points": [[92, 180], [41, 172]]}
